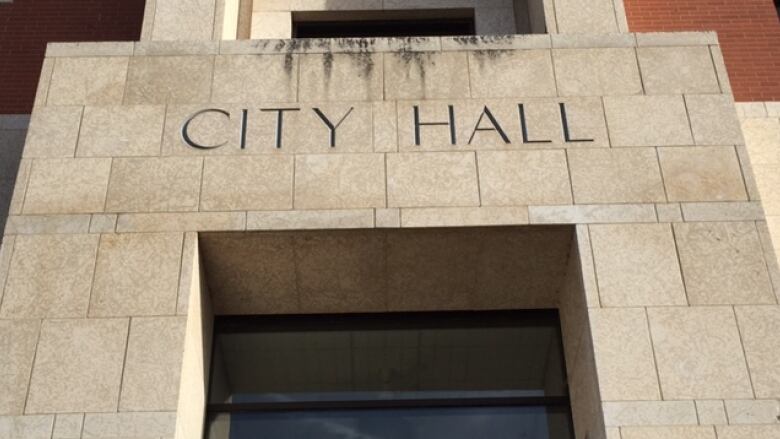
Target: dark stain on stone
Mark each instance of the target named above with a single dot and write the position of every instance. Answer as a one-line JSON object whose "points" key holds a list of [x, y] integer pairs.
{"points": [[327, 64]]}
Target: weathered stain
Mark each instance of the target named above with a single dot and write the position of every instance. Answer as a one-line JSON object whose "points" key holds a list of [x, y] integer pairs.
{"points": [[327, 64]]}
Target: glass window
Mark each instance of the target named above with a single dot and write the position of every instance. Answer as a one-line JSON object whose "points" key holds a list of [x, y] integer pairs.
{"points": [[389, 376]]}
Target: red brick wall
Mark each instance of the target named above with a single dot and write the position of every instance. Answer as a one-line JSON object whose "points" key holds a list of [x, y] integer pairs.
{"points": [[749, 33], [27, 25]]}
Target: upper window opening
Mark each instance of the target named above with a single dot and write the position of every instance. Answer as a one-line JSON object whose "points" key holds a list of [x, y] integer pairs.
{"points": [[364, 24]]}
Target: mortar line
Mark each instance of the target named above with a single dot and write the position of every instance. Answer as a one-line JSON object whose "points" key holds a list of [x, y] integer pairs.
{"points": [[680, 263], [32, 367], [124, 363], [655, 358], [744, 354]]}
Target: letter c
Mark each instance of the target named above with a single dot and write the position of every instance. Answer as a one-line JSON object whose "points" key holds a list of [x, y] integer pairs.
{"points": [[185, 134]]}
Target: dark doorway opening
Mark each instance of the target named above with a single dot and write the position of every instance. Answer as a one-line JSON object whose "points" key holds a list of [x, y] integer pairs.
{"points": [[362, 24]]}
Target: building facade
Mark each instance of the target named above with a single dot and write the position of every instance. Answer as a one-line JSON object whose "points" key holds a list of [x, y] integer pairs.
{"points": [[544, 169]]}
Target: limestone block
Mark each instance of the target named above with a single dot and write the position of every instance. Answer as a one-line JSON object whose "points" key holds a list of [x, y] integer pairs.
{"points": [[247, 183], [432, 180], [676, 39], [647, 121], [640, 413], [677, 70], [517, 178], [154, 353], [129, 425], [49, 276], [475, 130], [255, 78], [313, 219], [464, 216], [136, 274], [67, 186], [699, 354], [747, 173], [669, 213], [154, 184], [702, 174], [687, 432], [17, 342], [426, 75], [714, 120], [19, 187], [47, 224], [748, 431], [182, 47], [770, 255], [592, 214], [723, 263], [53, 132], [720, 69], [88, 81], [589, 72], [711, 412], [736, 211], [89, 49], [339, 181], [759, 327], [590, 40], [762, 137], [767, 177], [385, 124], [387, 218], [585, 16], [753, 411], [102, 223], [267, 25], [26, 427], [182, 20], [624, 356], [636, 265], [44, 80], [78, 366], [340, 77], [121, 131], [338, 273], [169, 79], [68, 426], [497, 73], [615, 175], [180, 221], [496, 42]]}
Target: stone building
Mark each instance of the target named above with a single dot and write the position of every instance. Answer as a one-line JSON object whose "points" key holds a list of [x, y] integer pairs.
{"points": [[512, 218]]}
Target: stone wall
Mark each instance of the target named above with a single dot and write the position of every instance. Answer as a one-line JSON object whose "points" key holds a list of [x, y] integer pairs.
{"points": [[632, 139]]}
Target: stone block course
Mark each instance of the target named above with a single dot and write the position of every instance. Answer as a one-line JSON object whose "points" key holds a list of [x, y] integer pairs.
{"points": [[121, 131], [53, 132], [247, 183], [169, 79], [18, 340], [88, 81], [597, 72], [340, 181], [499, 74], [278, 75], [154, 184], [758, 327], [615, 175], [517, 178], [67, 186], [702, 174], [677, 70], [432, 179], [647, 121], [426, 75]]}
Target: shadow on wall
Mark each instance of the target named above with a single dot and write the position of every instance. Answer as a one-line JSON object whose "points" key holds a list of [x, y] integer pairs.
{"points": [[13, 130]]}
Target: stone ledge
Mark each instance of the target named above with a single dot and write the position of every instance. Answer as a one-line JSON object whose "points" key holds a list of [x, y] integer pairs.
{"points": [[407, 44]]}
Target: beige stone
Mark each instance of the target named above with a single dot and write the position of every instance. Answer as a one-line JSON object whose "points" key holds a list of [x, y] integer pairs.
{"points": [[140, 425], [247, 183], [723, 263], [102, 223], [67, 186], [180, 20], [636, 265], [137, 275], [426, 75], [26, 427], [767, 178], [748, 431], [464, 216], [711, 412], [339, 181], [624, 356], [255, 78], [687, 432], [702, 174], [19, 187], [734, 211], [154, 184], [589, 72], [121, 131], [585, 16], [67, 426], [642, 413], [18, 339], [53, 132], [496, 73], [615, 175], [647, 121], [151, 375], [592, 214], [759, 326], [339, 273], [511, 178], [744, 411], [180, 221], [385, 125], [311, 219], [669, 213], [340, 77], [88, 81], [78, 366], [762, 137], [677, 70], [267, 25], [44, 81], [169, 79], [432, 180], [714, 120], [699, 354], [387, 218], [47, 224], [50, 276]]}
